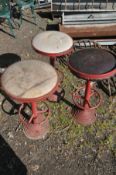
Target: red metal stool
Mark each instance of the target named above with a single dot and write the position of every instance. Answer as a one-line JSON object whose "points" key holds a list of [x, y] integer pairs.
{"points": [[53, 44], [90, 64], [29, 82]]}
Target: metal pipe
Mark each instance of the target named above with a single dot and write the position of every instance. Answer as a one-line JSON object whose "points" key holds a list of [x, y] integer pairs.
{"points": [[87, 94], [34, 109]]}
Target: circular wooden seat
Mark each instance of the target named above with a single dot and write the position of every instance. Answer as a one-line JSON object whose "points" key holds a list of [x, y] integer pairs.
{"points": [[93, 63], [29, 79], [52, 42]]}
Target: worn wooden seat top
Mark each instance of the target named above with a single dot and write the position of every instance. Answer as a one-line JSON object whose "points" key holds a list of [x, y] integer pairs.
{"points": [[29, 79], [52, 42]]}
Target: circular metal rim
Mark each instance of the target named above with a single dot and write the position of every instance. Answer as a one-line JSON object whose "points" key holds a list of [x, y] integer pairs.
{"points": [[53, 54], [93, 76], [82, 107]]}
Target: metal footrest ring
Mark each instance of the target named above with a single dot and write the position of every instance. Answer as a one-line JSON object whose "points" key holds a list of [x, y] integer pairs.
{"points": [[79, 98], [37, 126]]}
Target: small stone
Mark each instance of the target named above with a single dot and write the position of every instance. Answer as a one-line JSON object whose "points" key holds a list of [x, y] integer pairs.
{"points": [[10, 135], [35, 167], [94, 150], [27, 56], [82, 140]]}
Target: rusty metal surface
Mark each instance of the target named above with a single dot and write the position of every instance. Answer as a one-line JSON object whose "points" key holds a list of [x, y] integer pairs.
{"points": [[80, 31], [93, 61]]}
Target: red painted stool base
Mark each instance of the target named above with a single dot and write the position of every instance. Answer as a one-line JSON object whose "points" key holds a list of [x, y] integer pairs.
{"points": [[37, 130], [86, 99], [85, 117]]}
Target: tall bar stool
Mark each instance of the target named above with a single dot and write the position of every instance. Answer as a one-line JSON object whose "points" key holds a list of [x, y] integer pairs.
{"points": [[30, 82], [90, 64], [53, 44]]}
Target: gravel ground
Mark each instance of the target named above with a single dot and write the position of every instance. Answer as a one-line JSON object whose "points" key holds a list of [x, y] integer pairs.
{"points": [[68, 149]]}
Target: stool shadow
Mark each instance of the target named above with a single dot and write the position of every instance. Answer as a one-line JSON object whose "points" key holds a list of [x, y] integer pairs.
{"points": [[62, 98], [110, 89], [52, 27], [7, 59], [14, 106], [14, 110], [9, 163], [74, 108]]}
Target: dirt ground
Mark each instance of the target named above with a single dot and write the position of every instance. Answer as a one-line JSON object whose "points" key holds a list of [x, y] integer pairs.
{"points": [[68, 149]]}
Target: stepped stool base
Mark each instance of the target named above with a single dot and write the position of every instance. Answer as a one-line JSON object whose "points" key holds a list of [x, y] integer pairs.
{"points": [[37, 130], [86, 99], [85, 117], [37, 126]]}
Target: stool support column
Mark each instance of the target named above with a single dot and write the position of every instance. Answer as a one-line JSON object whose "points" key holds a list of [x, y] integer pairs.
{"points": [[87, 94], [34, 109], [52, 61], [86, 116], [38, 126], [54, 97]]}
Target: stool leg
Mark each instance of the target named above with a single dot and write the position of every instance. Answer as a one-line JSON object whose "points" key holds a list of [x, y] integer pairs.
{"points": [[87, 115], [52, 61], [59, 91], [87, 94], [38, 126]]}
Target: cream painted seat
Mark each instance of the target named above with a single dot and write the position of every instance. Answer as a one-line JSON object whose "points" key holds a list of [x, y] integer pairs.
{"points": [[29, 79], [52, 42]]}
